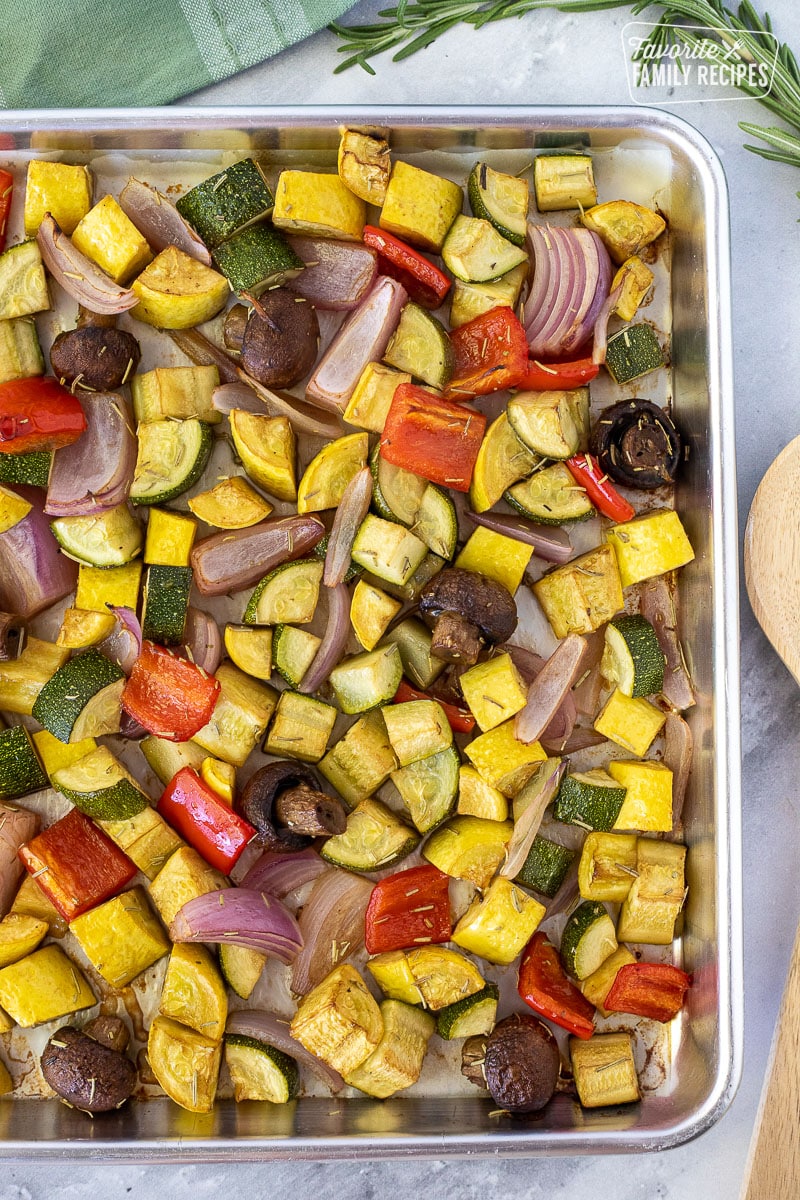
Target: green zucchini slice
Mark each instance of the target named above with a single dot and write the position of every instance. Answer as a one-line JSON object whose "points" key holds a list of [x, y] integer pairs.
{"points": [[555, 424], [293, 651], [227, 202], [366, 680], [590, 799], [387, 550], [100, 786], [396, 493], [82, 699], [241, 967], [172, 457], [165, 603], [551, 496], [632, 657], [545, 867], [421, 346], [21, 771], [288, 595], [20, 352], [259, 1071], [474, 1016], [500, 199], [633, 352], [475, 252], [23, 283], [413, 640], [106, 539], [429, 788], [588, 939], [374, 838], [257, 258], [32, 468]]}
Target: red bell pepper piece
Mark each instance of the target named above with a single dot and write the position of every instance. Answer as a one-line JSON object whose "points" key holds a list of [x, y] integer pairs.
{"points": [[547, 990], [587, 471], [38, 414], [204, 820], [654, 990], [544, 377], [411, 908], [461, 719], [6, 190], [169, 696], [423, 281], [491, 353], [432, 436], [76, 865]]}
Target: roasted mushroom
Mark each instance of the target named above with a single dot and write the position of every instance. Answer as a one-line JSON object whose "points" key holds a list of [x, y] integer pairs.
{"points": [[280, 339], [471, 610], [95, 357], [87, 1073], [521, 1064], [283, 802], [637, 444], [235, 325]]}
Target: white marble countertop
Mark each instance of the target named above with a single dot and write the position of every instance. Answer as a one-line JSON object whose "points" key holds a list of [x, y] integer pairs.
{"points": [[551, 57]]}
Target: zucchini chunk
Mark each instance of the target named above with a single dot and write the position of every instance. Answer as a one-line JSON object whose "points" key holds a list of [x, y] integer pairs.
{"points": [[82, 699], [429, 787], [374, 838], [23, 283], [633, 352], [227, 202], [553, 424], [475, 252], [563, 181], [257, 258], [301, 728], [396, 1062], [361, 761], [177, 392], [171, 458], [551, 497], [22, 679], [417, 729], [387, 550], [474, 1016], [147, 840], [241, 968], [165, 758], [21, 770], [20, 353], [396, 493], [502, 460], [591, 799], [32, 468], [367, 680], [588, 939], [421, 346], [632, 659], [106, 539], [471, 300], [100, 786], [165, 603], [288, 595], [413, 640], [546, 866], [293, 651], [501, 199], [259, 1071]]}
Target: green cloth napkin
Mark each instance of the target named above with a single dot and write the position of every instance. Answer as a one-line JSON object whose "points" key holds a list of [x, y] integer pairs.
{"points": [[98, 53]]}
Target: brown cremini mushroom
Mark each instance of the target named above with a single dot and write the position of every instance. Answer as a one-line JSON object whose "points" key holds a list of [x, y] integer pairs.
{"points": [[285, 805], [521, 1064], [280, 339], [470, 610], [637, 444]]}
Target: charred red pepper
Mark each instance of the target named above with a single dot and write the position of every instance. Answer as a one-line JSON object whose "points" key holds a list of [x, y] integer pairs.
{"points": [[169, 696], [421, 278], [6, 190], [38, 414], [543, 377], [654, 990], [206, 822], [432, 436], [409, 909], [76, 865], [586, 470], [491, 353], [461, 720], [547, 990]]}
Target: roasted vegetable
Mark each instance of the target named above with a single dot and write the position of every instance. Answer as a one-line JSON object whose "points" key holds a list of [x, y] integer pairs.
{"points": [[281, 339], [85, 1073], [521, 1064], [637, 444]]}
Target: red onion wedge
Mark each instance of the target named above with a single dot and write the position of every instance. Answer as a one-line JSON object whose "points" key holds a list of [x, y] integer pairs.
{"points": [[559, 729], [527, 663], [586, 691], [546, 693], [95, 473], [338, 275], [582, 737], [582, 331], [280, 874], [124, 645], [240, 917], [658, 606], [353, 508], [305, 417], [17, 826], [229, 396], [362, 338], [228, 562], [601, 325], [334, 640], [78, 275], [538, 792], [33, 572], [266, 1027], [159, 221], [678, 748], [571, 278], [549, 541], [332, 925], [202, 640], [205, 353]]}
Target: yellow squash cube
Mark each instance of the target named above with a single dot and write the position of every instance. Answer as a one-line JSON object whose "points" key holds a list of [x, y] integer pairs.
{"points": [[122, 937], [42, 987], [184, 877], [498, 926], [178, 292], [648, 796], [81, 627], [477, 798], [267, 447], [13, 508], [170, 538], [501, 558], [634, 278], [63, 190], [371, 612], [99, 587], [420, 207], [630, 722], [109, 238], [240, 717], [230, 504], [146, 838], [494, 690], [596, 986], [194, 991], [604, 1069], [339, 1020], [185, 1063], [181, 392], [649, 911], [392, 973], [625, 227], [21, 679], [607, 866], [502, 760], [20, 935], [583, 594], [318, 206], [56, 755], [469, 848], [396, 1062], [365, 164], [30, 901], [650, 545], [369, 404], [220, 776]]}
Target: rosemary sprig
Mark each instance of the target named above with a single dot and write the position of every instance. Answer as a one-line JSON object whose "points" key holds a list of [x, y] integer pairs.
{"points": [[741, 35]]}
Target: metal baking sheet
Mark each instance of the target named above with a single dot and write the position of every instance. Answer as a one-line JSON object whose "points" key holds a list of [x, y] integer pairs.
{"points": [[689, 1069]]}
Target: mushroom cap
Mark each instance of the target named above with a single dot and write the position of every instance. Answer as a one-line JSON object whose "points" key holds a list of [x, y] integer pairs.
{"points": [[475, 597], [256, 802], [637, 444]]}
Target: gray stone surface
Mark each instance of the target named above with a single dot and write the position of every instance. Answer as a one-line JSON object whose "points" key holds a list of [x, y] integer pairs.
{"points": [[556, 58]]}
